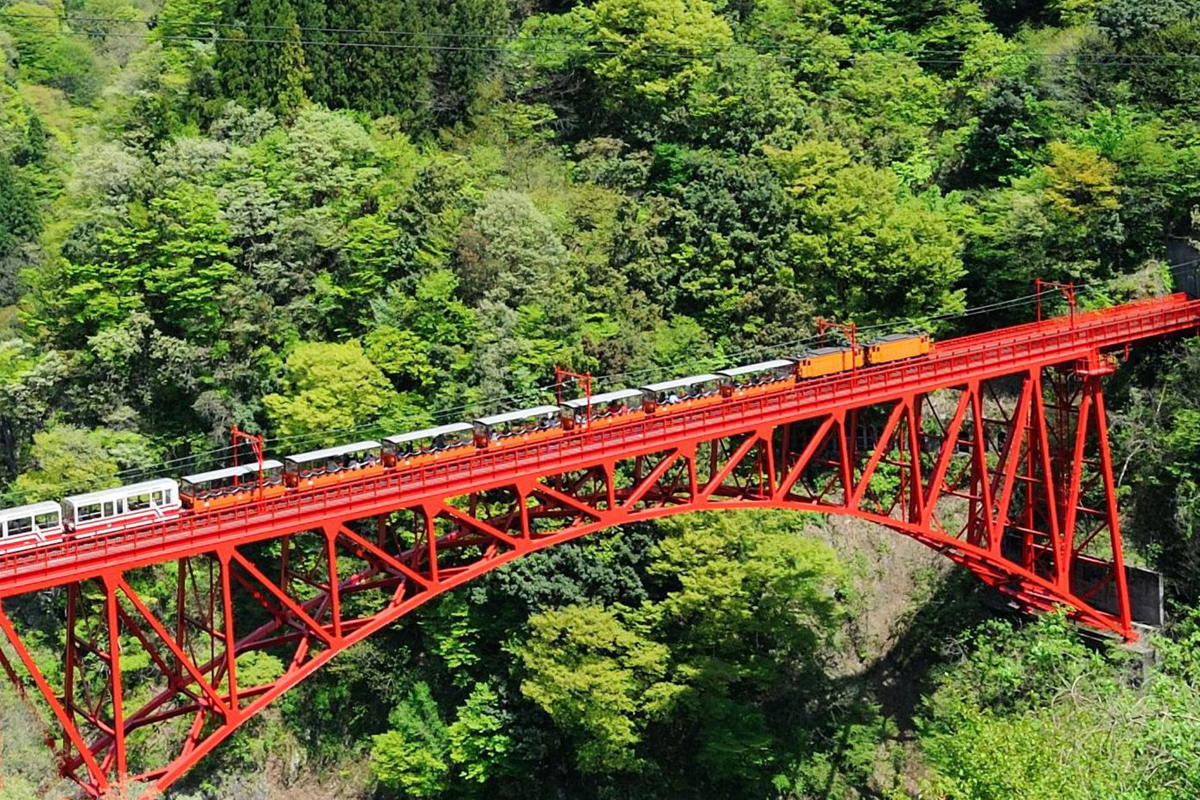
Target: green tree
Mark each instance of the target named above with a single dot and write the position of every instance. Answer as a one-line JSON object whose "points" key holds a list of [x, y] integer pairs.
{"points": [[461, 70], [19, 218], [867, 248], [509, 252], [644, 57], [328, 387], [999, 722], [600, 681], [479, 745], [412, 757], [704, 676], [68, 460]]}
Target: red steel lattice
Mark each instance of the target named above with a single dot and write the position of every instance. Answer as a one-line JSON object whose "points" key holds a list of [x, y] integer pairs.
{"points": [[993, 451]]}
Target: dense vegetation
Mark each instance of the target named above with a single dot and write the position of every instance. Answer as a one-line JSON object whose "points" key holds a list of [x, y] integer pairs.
{"points": [[313, 218]]}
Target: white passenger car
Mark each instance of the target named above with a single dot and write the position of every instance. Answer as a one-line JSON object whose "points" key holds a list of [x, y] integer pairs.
{"points": [[122, 507], [30, 525]]}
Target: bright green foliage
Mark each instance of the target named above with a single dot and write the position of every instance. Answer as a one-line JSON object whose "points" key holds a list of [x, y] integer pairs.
{"points": [[412, 757], [169, 258], [28, 387], [400, 354], [69, 460], [750, 613], [888, 105], [600, 680], [256, 668], [747, 610], [1020, 716], [865, 243], [478, 742], [327, 387], [454, 637], [645, 55], [46, 54], [190, 238]]}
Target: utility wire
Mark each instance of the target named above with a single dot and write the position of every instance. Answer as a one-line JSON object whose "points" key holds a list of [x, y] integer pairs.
{"points": [[942, 56]]}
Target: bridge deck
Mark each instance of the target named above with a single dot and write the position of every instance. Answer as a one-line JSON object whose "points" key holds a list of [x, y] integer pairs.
{"points": [[954, 362]]}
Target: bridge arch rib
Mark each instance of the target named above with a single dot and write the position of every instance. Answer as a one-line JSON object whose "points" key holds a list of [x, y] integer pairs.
{"points": [[1009, 475]]}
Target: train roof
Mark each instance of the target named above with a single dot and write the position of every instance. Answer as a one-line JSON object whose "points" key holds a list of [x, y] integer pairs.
{"points": [[762, 366], [896, 337], [513, 416], [429, 433], [607, 397], [329, 452], [230, 472], [156, 485], [826, 351], [680, 383], [29, 510]]}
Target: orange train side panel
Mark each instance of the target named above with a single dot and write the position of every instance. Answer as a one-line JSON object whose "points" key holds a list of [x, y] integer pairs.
{"points": [[895, 348], [246, 494], [829, 360]]}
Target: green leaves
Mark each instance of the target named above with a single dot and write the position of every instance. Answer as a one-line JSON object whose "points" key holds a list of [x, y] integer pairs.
{"points": [[599, 680], [733, 639], [869, 249], [328, 387], [1034, 713], [68, 460], [411, 758]]}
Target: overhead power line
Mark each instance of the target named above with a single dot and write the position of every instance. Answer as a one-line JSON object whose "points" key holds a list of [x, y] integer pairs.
{"points": [[221, 32]]}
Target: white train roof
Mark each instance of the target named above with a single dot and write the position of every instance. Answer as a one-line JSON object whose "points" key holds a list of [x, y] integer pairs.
{"points": [[145, 487], [429, 433], [330, 452], [30, 510], [513, 416], [230, 472], [680, 383], [762, 366], [607, 397]]}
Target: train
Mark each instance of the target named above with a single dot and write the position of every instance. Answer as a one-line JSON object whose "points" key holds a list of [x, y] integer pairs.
{"points": [[148, 502]]}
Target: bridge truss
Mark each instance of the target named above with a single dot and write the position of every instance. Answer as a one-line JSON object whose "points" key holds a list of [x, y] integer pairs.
{"points": [[993, 451]]}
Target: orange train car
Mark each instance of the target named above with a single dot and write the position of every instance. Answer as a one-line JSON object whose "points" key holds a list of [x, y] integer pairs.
{"points": [[897, 347], [828, 360], [231, 486]]}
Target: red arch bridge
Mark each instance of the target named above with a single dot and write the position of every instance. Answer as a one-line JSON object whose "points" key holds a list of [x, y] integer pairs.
{"points": [[993, 450]]}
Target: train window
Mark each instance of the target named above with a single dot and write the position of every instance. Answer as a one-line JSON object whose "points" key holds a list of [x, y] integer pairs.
{"points": [[47, 522], [158, 498], [20, 526], [167, 495], [90, 512], [110, 509], [139, 502]]}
